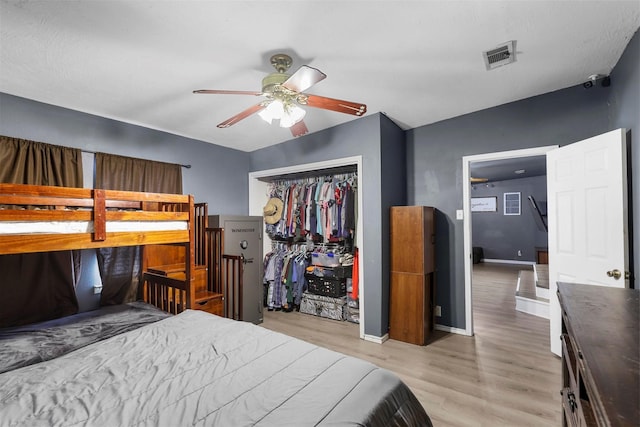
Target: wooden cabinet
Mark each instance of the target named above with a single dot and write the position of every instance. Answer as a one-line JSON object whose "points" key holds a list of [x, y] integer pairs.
{"points": [[542, 255], [600, 355], [412, 287]]}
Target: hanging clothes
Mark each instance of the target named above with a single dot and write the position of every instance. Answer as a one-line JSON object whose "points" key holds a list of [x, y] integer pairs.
{"points": [[321, 207], [284, 269], [316, 231]]}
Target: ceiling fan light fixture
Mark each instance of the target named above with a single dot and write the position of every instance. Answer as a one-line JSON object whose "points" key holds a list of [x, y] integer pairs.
{"points": [[288, 114], [293, 114], [284, 94], [274, 111]]}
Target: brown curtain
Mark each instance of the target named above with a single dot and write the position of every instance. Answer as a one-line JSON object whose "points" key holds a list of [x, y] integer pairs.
{"points": [[37, 163], [120, 267], [40, 286], [130, 174]]}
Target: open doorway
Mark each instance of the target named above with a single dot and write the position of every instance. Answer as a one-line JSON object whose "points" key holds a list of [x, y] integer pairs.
{"points": [[487, 200], [509, 234]]}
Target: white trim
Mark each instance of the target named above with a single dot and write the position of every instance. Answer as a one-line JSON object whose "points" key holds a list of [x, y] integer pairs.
{"points": [[466, 226], [508, 261], [532, 306], [375, 339], [345, 161], [542, 292], [451, 330], [257, 197]]}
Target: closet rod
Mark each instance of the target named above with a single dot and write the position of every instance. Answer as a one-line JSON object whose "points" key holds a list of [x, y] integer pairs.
{"points": [[94, 152]]}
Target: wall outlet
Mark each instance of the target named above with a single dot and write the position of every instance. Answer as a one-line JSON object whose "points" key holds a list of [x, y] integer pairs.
{"points": [[438, 311], [519, 252]]}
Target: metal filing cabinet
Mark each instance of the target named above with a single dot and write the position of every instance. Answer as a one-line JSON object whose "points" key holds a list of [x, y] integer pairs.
{"points": [[243, 236]]}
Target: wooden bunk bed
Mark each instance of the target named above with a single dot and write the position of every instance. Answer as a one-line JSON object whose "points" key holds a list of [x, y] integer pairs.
{"points": [[139, 365], [44, 219], [38, 218]]}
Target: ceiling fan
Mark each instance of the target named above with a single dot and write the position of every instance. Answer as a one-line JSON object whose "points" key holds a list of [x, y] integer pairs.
{"points": [[284, 96]]}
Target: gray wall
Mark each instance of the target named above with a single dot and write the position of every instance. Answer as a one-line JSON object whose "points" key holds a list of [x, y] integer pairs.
{"points": [[502, 236], [434, 156], [393, 192], [383, 184], [218, 175], [433, 162], [625, 113]]}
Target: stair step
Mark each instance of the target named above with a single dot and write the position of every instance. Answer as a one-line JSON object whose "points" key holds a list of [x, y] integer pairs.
{"points": [[204, 296], [527, 300], [527, 286], [542, 275]]}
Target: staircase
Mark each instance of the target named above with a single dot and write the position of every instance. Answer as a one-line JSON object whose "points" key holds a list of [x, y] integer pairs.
{"points": [[532, 291]]}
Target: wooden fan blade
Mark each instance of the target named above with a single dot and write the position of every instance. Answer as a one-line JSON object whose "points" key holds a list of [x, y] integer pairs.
{"points": [[299, 129], [228, 92], [338, 105], [304, 78], [243, 115]]}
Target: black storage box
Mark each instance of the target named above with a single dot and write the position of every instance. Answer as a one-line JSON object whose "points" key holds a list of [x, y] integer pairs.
{"points": [[326, 286], [478, 254]]}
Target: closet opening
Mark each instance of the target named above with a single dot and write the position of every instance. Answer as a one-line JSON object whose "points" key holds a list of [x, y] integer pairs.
{"points": [[316, 233]]}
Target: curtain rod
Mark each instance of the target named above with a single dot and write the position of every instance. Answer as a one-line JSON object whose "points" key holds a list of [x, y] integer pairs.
{"points": [[94, 152]]}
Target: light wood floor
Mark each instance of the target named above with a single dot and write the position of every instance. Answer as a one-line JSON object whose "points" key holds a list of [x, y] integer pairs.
{"points": [[503, 376]]}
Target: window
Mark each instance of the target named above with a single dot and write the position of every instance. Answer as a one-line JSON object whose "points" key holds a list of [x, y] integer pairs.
{"points": [[512, 203]]}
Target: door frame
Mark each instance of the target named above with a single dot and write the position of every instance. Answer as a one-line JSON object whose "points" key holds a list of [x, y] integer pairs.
{"points": [[466, 207]]}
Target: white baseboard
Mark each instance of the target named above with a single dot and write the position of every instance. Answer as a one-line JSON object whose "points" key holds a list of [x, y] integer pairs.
{"points": [[542, 292], [377, 340], [451, 330], [534, 307], [508, 261]]}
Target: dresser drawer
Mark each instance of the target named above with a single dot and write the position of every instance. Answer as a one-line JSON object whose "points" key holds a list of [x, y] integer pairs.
{"points": [[569, 359], [570, 407]]}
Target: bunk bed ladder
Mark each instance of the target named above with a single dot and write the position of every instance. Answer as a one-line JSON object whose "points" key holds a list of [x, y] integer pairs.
{"points": [[201, 220]]}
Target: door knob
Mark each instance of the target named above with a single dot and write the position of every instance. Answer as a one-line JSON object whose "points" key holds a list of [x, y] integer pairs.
{"points": [[616, 274]]}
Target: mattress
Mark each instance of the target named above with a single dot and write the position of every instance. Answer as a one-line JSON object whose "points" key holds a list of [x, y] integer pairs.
{"points": [[203, 370], [75, 227]]}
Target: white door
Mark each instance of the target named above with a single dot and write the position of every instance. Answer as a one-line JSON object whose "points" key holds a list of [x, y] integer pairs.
{"points": [[587, 214]]}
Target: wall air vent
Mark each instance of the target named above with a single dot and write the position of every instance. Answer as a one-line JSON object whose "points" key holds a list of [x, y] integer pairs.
{"points": [[501, 55]]}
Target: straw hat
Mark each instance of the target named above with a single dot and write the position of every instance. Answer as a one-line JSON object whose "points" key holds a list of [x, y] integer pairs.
{"points": [[272, 211]]}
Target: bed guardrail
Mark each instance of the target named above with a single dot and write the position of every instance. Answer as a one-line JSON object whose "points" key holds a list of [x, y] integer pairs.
{"points": [[166, 293], [225, 273]]}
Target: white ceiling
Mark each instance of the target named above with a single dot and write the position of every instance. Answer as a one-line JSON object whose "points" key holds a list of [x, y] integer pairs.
{"points": [[418, 62]]}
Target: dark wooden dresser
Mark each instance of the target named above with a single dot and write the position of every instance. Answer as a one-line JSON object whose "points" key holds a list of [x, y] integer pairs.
{"points": [[601, 355]]}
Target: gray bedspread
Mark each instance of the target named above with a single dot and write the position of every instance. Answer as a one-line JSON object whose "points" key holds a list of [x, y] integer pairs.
{"points": [[25, 345], [199, 369]]}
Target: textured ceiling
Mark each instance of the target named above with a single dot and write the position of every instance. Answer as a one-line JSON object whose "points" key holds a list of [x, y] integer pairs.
{"points": [[418, 62], [507, 169]]}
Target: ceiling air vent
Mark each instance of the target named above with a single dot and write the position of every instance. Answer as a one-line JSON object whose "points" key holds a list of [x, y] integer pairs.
{"points": [[501, 55]]}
